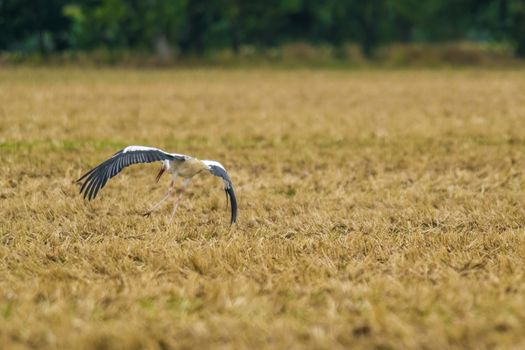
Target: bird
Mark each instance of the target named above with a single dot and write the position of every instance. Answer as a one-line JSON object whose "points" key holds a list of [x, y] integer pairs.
{"points": [[174, 163]]}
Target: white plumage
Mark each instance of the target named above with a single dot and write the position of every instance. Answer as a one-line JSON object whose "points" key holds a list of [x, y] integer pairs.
{"points": [[176, 164]]}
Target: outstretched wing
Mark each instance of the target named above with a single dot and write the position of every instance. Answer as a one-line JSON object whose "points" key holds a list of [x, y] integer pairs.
{"points": [[97, 177], [217, 169]]}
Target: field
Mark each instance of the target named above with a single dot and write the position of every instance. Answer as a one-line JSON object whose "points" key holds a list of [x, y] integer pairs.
{"points": [[377, 209]]}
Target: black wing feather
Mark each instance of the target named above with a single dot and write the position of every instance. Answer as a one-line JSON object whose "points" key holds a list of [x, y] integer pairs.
{"points": [[96, 178], [220, 172], [233, 202]]}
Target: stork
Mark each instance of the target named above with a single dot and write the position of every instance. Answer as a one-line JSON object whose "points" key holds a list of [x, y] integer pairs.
{"points": [[176, 164]]}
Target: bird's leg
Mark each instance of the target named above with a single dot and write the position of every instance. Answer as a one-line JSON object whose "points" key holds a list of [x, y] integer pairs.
{"points": [[177, 201], [168, 194]]}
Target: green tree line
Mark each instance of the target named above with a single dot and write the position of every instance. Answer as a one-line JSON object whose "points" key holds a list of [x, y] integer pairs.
{"points": [[194, 27]]}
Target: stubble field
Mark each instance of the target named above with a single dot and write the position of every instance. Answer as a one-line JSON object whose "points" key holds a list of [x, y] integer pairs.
{"points": [[377, 209]]}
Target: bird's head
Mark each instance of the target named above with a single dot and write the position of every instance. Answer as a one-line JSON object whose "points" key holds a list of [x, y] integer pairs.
{"points": [[165, 166]]}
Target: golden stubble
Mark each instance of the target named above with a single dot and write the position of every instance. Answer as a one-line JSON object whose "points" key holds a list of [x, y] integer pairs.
{"points": [[376, 209]]}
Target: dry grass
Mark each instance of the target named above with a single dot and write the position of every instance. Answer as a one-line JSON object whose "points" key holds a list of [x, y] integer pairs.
{"points": [[377, 209]]}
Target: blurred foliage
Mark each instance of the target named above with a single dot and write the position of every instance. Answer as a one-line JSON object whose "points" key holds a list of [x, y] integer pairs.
{"points": [[196, 27]]}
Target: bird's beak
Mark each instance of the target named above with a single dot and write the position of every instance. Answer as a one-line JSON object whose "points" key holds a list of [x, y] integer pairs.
{"points": [[161, 171]]}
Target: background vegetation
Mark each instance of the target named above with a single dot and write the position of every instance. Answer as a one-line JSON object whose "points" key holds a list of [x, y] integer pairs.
{"points": [[196, 28]]}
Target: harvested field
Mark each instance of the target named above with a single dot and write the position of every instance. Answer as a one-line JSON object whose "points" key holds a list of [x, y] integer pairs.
{"points": [[377, 209]]}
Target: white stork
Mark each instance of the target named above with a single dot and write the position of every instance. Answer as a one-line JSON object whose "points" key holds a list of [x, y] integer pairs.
{"points": [[176, 164]]}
